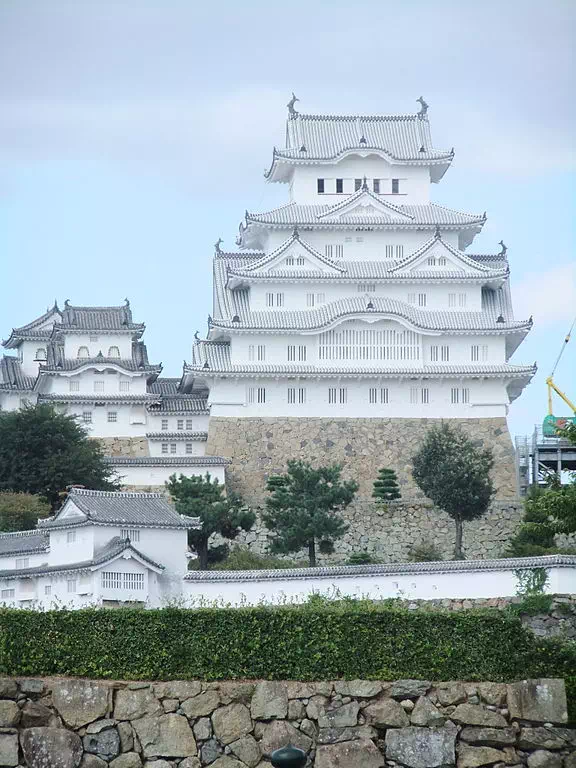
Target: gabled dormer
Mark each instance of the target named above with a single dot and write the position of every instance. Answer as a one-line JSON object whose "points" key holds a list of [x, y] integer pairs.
{"points": [[31, 340], [364, 204]]}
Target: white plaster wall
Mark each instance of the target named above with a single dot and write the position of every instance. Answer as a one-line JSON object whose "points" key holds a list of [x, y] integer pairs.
{"points": [[198, 447], [109, 376], [228, 397], [73, 341], [145, 476], [27, 354], [7, 562], [62, 551], [12, 401], [199, 422], [122, 427], [414, 180], [165, 546], [417, 586]]}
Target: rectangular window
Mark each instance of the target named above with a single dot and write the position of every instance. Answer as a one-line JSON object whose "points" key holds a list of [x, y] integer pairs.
{"points": [[366, 287], [291, 395], [172, 447], [87, 417], [48, 589], [269, 299], [389, 251], [180, 424], [332, 395], [339, 251], [74, 386], [111, 580], [189, 449], [320, 186], [261, 352], [71, 585], [329, 251], [475, 353], [378, 395], [300, 261], [6, 594], [461, 299], [261, 395], [421, 299], [484, 352], [70, 537], [290, 261], [130, 533], [164, 447], [188, 424], [445, 353], [320, 298], [465, 395], [133, 581], [357, 184], [395, 186], [112, 416], [250, 395], [251, 352], [424, 395], [164, 424], [279, 299], [310, 299], [434, 354], [291, 353], [22, 562], [413, 395], [399, 251], [348, 239], [98, 386], [302, 352], [124, 386], [93, 338], [451, 299], [454, 395], [376, 186], [431, 261], [339, 186], [442, 261], [411, 298]]}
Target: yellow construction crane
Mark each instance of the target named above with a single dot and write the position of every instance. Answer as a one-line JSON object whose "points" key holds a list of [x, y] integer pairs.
{"points": [[552, 423]]}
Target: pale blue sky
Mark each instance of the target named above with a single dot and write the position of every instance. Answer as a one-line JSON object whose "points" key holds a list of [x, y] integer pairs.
{"points": [[133, 134]]}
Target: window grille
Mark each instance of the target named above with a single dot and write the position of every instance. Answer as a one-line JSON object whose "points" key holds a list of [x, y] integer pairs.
{"points": [[389, 251], [302, 352], [459, 395], [445, 353], [366, 287], [432, 261], [98, 386], [114, 352], [48, 589], [376, 186], [290, 261], [421, 299], [250, 395], [6, 594], [291, 353], [339, 186], [172, 447], [320, 298], [87, 417], [74, 386], [41, 354], [188, 424], [251, 352], [451, 299], [279, 299], [94, 338], [124, 386], [71, 585], [395, 186], [180, 424], [83, 352], [300, 261], [484, 352], [454, 395], [339, 251], [369, 344], [461, 299], [378, 395], [261, 395], [189, 448], [130, 533], [22, 562], [328, 251], [411, 298], [413, 395], [133, 581], [424, 395], [111, 580], [164, 447], [310, 299], [70, 537], [475, 353], [112, 416], [442, 261], [269, 299], [320, 186], [164, 424], [399, 251], [337, 395], [434, 353], [465, 395], [357, 184], [291, 395]]}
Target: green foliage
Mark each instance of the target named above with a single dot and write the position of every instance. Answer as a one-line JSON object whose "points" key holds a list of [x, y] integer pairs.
{"points": [[454, 473], [302, 508], [241, 559], [219, 513], [555, 508], [531, 581], [321, 640], [386, 486], [361, 558], [568, 433], [20, 511], [532, 605], [425, 552], [43, 451]]}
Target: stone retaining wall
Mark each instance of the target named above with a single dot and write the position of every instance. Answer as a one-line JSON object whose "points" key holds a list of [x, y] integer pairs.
{"points": [[124, 446], [259, 447], [65, 723]]}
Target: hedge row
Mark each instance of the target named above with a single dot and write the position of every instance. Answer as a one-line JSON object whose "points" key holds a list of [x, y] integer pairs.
{"points": [[315, 642]]}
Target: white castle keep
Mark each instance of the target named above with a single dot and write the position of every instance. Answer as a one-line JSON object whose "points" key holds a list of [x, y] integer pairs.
{"points": [[356, 300]]}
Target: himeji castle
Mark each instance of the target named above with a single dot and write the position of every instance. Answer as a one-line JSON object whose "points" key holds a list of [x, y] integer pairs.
{"points": [[354, 312]]}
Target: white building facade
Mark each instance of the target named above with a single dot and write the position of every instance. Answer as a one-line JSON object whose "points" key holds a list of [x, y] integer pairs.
{"points": [[358, 298]]}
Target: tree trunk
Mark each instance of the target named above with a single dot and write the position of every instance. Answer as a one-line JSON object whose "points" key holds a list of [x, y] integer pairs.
{"points": [[312, 553], [202, 549], [458, 553]]}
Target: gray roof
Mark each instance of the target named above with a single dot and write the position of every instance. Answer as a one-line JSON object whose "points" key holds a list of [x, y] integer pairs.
{"points": [[23, 543], [390, 569], [217, 354], [120, 508], [108, 552], [99, 319], [12, 377], [320, 317], [164, 386], [199, 436], [166, 461], [102, 398], [34, 330], [197, 404]]}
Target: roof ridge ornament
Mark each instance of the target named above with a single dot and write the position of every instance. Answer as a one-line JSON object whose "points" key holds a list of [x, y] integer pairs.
{"points": [[291, 109], [423, 108], [362, 139], [217, 245], [296, 233], [437, 234], [196, 337], [503, 248], [365, 184]]}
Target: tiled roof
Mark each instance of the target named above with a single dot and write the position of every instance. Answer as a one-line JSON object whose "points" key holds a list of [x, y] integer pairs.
{"points": [[390, 569], [323, 316], [120, 508], [164, 386], [108, 552], [99, 360], [433, 243], [218, 357], [99, 319], [166, 461], [294, 238], [200, 436], [101, 398], [12, 377], [34, 330], [23, 542], [181, 404], [430, 215]]}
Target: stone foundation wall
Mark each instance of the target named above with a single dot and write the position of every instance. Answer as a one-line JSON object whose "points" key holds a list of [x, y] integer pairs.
{"points": [[65, 723], [124, 446], [259, 447]]}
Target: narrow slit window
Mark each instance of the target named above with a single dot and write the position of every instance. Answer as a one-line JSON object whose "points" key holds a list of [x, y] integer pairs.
{"points": [[395, 186], [320, 186], [339, 186]]}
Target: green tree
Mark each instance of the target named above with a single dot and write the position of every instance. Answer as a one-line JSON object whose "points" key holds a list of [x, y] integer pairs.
{"points": [[219, 512], [536, 535], [569, 433], [386, 486], [302, 509], [556, 506], [455, 474], [20, 511], [42, 451]]}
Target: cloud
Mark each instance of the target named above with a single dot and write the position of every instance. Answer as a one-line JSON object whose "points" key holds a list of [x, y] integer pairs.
{"points": [[550, 296]]}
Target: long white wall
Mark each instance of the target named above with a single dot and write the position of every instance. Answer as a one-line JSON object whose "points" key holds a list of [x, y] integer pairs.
{"points": [[144, 475]]}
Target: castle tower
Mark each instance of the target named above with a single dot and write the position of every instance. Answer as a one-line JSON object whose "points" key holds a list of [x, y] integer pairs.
{"points": [[353, 317]]}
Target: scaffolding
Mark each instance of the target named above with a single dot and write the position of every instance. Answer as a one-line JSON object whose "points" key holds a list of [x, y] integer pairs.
{"points": [[538, 455]]}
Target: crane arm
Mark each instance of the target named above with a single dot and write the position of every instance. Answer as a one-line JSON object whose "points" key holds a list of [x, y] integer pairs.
{"points": [[566, 340], [552, 386]]}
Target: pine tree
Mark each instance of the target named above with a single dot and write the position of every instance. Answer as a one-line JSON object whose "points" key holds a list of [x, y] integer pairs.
{"points": [[455, 474], [302, 508], [386, 486]]}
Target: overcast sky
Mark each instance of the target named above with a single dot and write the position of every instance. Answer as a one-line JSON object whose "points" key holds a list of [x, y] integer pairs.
{"points": [[133, 134]]}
